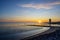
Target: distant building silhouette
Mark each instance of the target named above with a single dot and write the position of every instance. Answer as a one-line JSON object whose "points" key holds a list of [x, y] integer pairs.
{"points": [[49, 22]]}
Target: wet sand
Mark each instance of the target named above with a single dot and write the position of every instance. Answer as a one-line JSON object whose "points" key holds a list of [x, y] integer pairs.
{"points": [[42, 35]]}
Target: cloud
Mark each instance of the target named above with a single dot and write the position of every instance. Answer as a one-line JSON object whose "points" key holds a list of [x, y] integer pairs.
{"points": [[54, 3], [37, 6], [40, 6]]}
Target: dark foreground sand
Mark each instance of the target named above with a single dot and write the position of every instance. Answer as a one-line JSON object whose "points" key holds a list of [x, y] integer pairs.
{"points": [[54, 35]]}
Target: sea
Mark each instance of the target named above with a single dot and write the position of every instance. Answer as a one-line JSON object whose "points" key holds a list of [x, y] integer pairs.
{"points": [[19, 30]]}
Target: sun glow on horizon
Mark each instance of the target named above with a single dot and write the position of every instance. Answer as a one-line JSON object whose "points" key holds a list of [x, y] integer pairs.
{"points": [[39, 21]]}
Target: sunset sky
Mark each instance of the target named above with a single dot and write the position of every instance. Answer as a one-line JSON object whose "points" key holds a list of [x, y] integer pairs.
{"points": [[29, 10]]}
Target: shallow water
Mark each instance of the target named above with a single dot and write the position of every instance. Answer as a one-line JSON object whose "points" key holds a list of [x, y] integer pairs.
{"points": [[16, 31]]}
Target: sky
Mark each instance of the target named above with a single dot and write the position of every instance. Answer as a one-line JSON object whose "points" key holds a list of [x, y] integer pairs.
{"points": [[29, 10]]}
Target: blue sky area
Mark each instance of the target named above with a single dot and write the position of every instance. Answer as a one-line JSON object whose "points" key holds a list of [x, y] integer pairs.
{"points": [[33, 9]]}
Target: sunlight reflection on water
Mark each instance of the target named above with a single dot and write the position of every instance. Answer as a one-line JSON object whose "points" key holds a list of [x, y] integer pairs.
{"points": [[18, 29]]}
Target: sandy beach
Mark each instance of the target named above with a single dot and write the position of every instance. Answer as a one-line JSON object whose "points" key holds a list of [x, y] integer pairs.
{"points": [[51, 31]]}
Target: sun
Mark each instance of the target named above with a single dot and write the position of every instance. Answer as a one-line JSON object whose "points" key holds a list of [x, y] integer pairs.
{"points": [[39, 21]]}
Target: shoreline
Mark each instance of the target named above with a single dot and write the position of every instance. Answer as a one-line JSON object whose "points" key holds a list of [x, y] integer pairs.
{"points": [[51, 30]]}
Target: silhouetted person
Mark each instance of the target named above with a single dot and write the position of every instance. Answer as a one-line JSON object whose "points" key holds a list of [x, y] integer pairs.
{"points": [[49, 22]]}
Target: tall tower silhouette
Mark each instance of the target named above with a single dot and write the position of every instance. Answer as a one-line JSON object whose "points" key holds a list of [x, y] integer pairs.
{"points": [[49, 22]]}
